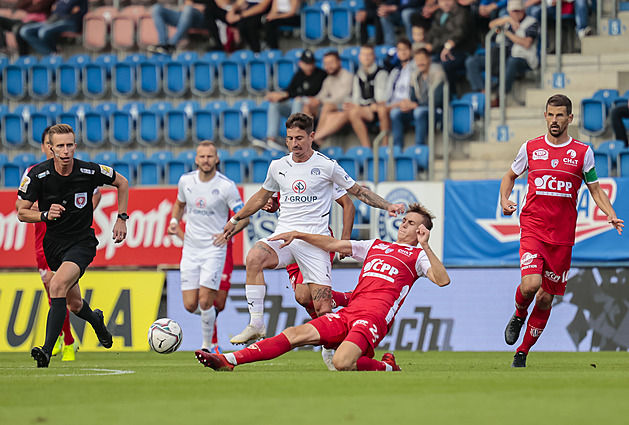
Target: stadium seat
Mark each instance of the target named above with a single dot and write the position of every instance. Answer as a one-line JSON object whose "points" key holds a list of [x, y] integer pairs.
{"points": [[176, 127], [150, 123], [231, 77], [146, 31], [94, 134], [203, 125], [68, 80], [349, 58], [25, 160], [361, 154], [283, 71], [320, 53], [123, 77], [14, 82], [341, 24], [259, 167], [38, 122], [95, 80], [12, 131], [405, 167], [149, 172], [173, 170], [126, 169], [40, 77], [612, 148], [175, 78], [350, 164], [234, 169], [187, 157], [382, 168], [246, 155], [332, 152], [123, 31], [202, 78], [461, 119], [313, 23], [105, 157], [149, 78], [82, 155], [420, 154], [96, 28], [623, 164], [53, 110], [607, 96], [258, 76], [11, 175], [603, 163], [121, 127], [593, 117], [257, 122], [231, 126], [477, 100]]}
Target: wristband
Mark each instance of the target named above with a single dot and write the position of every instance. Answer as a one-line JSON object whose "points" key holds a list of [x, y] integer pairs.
{"points": [[44, 216], [174, 221], [448, 45], [234, 220]]}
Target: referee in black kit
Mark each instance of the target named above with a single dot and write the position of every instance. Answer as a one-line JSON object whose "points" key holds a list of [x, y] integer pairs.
{"points": [[64, 186]]}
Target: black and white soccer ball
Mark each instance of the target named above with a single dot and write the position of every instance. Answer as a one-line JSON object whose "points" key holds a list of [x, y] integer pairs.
{"points": [[165, 336]]}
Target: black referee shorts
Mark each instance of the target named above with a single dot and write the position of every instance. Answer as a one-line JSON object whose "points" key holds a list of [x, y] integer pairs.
{"points": [[78, 251]]}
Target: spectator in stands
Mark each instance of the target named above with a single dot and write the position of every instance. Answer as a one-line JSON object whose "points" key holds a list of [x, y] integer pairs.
{"points": [[283, 13], [521, 32], [451, 38], [67, 15], [415, 108], [246, 15], [394, 11], [306, 83], [369, 90], [618, 114], [37, 11], [420, 36], [581, 12], [336, 89], [369, 16], [190, 17]]}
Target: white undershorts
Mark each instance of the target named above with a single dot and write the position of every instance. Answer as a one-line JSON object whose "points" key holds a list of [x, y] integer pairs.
{"points": [[313, 262]]}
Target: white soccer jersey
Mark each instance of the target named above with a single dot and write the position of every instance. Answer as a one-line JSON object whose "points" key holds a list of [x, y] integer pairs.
{"points": [[306, 191], [207, 207]]}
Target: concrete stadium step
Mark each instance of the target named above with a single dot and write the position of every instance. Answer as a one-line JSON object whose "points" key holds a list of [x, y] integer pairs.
{"points": [[536, 98], [492, 151], [604, 44], [592, 80], [624, 20]]}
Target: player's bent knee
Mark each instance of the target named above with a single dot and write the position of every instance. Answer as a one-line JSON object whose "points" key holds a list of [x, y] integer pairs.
{"points": [[191, 308], [343, 363], [219, 305]]}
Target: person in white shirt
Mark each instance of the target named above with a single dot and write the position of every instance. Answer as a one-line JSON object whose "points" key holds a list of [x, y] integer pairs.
{"points": [[305, 180], [206, 196]]}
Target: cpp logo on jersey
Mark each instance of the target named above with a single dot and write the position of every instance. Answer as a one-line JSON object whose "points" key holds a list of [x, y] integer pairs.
{"points": [[315, 171], [554, 184], [591, 220], [200, 202], [80, 199], [299, 186], [388, 226]]}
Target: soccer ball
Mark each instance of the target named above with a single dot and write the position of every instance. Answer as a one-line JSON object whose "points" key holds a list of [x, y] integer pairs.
{"points": [[165, 336]]}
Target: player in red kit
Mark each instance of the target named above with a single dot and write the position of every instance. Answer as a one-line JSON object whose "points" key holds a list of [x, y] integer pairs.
{"points": [[557, 165], [390, 269]]}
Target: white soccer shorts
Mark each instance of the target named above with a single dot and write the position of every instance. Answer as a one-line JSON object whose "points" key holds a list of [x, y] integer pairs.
{"points": [[201, 269]]}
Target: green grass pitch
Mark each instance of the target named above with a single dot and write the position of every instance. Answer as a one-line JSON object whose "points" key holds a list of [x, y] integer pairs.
{"points": [[433, 388]]}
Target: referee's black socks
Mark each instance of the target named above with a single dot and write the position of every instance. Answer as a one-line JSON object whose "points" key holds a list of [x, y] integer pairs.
{"points": [[88, 315], [54, 324]]}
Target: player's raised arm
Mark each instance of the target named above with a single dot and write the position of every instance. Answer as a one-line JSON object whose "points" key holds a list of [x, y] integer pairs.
{"points": [[437, 272], [373, 199], [602, 201], [252, 206], [326, 243]]}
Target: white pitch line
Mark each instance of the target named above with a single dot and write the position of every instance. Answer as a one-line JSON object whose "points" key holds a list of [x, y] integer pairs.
{"points": [[102, 372]]}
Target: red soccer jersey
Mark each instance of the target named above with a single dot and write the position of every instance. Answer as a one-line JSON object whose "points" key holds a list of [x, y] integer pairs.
{"points": [[555, 176], [389, 272]]}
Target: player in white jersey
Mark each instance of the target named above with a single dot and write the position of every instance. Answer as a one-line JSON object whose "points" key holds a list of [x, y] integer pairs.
{"points": [[206, 196], [305, 180]]}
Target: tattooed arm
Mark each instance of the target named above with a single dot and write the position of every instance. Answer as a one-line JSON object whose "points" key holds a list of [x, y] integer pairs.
{"points": [[373, 199]]}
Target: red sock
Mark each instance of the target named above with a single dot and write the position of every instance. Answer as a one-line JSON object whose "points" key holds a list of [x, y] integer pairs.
{"points": [[311, 310], [534, 327], [68, 339], [522, 304], [266, 349], [215, 337], [341, 299], [365, 363]]}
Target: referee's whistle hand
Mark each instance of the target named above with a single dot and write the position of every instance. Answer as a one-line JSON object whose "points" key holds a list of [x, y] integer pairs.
{"points": [[120, 231], [55, 211]]}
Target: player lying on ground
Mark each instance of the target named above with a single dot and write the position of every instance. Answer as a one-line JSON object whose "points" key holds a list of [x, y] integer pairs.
{"points": [[390, 269]]}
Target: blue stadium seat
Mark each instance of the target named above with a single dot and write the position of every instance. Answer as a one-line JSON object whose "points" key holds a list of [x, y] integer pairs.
{"points": [[105, 157], [53, 110], [95, 80], [294, 54], [12, 131], [215, 57], [349, 58], [383, 151], [40, 77], [94, 134], [106, 109], [593, 116], [234, 169], [162, 157], [623, 164], [461, 119], [231, 77], [25, 160], [246, 155], [612, 148], [124, 76], [176, 127], [320, 53], [420, 153], [107, 61], [382, 168], [258, 76], [134, 157], [202, 78], [187, 157], [259, 167], [607, 96], [332, 152], [603, 164], [283, 71], [341, 24], [257, 122], [14, 82], [203, 125], [82, 155], [121, 127], [350, 164], [11, 174], [71, 119], [382, 51], [173, 170], [149, 172], [270, 55], [175, 78], [149, 78], [405, 167], [231, 126], [360, 153], [69, 80], [477, 100], [126, 169], [38, 122], [313, 24]]}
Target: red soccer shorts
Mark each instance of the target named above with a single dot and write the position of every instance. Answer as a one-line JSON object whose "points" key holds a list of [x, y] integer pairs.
{"points": [[364, 331], [294, 274], [552, 262]]}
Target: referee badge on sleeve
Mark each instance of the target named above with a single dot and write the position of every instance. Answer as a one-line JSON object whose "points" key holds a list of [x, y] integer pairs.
{"points": [[108, 171], [80, 199], [24, 184]]}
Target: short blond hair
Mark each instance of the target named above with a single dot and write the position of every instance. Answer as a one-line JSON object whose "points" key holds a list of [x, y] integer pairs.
{"points": [[60, 129]]}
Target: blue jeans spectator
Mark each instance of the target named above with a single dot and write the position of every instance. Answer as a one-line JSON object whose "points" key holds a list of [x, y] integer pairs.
{"points": [[276, 111], [189, 17], [389, 23], [581, 12], [399, 119], [475, 65], [43, 36]]}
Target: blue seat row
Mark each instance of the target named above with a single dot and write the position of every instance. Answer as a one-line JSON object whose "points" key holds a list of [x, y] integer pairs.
{"points": [[596, 109]]}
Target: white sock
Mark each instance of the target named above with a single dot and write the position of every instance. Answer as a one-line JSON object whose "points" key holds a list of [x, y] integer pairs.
{"points": [[388, 367], [255, 300], [197, 311], [207, 326], [231, 358]]}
